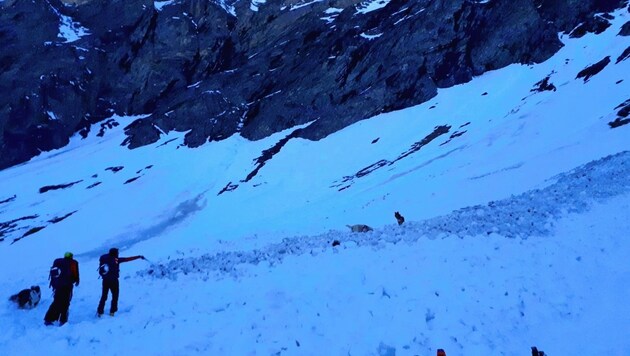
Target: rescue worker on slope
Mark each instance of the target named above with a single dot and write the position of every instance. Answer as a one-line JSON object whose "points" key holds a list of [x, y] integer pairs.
{"points": [[64, 274], [110, 271]]}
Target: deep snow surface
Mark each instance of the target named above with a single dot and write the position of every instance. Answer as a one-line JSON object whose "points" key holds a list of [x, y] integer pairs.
{"points": [[516, 233]]}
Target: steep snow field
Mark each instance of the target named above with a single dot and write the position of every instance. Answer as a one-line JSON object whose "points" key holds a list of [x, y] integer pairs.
{"points": [[517, 208], [566, 293]]}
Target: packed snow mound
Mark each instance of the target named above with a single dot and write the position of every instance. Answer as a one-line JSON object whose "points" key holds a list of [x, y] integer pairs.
{"points": [[404, 290], [532, 213]]}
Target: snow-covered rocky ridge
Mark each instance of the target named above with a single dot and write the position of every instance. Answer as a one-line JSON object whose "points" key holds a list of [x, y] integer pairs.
{"points": [[459, 274], [213, 69]]}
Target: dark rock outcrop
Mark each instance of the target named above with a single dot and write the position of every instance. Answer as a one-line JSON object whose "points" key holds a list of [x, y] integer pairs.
{"points": [[7, 227], [596, 24], [30, 231], [115, 169], [214, 69], [131, 180], [8, 200], [544, 85], [438, 131], [94, 185], [593, 69], [48, 188], [622, 115], [59, 219]]}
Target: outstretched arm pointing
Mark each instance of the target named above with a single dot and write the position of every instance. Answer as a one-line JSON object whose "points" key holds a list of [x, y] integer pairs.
{"points": [[127, 259]]}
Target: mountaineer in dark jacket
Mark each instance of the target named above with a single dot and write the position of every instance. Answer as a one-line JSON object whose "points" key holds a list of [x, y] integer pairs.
{"points": [[110, 271], [63, 275]]}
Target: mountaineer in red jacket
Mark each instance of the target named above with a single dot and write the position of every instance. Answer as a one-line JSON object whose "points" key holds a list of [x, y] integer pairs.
{"points": [[64, 274], [110, 271]]}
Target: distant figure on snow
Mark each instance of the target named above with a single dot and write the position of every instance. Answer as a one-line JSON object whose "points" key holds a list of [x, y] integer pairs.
{"points": [[109, 270], [360, 228], [27, 298], [399, 218], [64, 274]]}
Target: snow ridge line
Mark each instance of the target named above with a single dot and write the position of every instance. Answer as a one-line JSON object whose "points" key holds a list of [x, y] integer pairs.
{"points": [[529, 214]]}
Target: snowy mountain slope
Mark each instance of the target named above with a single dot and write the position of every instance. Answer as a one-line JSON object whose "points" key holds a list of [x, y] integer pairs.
{"points": [[496, 296], [475, 143], [530, 213], [68, 64]]}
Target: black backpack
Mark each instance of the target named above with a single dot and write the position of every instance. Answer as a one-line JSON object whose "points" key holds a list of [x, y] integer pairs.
{"points": [[106, 267], [60, 274]]}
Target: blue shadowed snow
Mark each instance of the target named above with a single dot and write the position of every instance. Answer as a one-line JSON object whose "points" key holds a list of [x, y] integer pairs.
{"points": [[516, 205]]}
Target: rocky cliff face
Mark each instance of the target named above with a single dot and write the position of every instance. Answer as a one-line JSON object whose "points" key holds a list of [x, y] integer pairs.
{"points": [[215, 68]]}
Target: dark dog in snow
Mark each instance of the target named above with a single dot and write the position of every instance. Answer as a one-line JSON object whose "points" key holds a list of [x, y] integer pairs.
{"points": [[399, 218], [535, 352], [359, 228], [27, 298]]}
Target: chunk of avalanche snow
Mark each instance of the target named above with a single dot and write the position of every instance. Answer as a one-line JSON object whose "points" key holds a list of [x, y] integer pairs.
{"points": [[370, 37], [371, 5], [159, 5], [69, 30]]}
